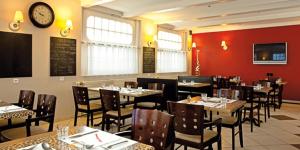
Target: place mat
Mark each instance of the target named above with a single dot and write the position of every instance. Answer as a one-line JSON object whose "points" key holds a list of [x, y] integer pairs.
{"points": [[34, 147], [10, 108], [98, 139]]}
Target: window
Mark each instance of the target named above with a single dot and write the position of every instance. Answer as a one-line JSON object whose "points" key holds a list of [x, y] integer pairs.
{"points": [[170, 56], [110, 48]]}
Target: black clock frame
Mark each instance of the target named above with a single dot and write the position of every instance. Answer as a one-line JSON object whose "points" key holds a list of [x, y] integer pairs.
{"points": [[34, 22]]}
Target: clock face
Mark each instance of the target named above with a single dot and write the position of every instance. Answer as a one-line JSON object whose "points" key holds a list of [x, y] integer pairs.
{"points": [[41, 15]]}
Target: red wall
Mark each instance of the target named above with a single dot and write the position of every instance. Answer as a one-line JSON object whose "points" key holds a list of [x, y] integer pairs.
{"points": [[237, 60]]}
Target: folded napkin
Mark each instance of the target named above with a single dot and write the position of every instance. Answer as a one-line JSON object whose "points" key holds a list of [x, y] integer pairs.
{"points": [[214, 100]]}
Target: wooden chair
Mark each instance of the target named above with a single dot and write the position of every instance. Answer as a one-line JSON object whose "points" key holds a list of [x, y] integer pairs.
{"points": [[152, 127], [190, 126], [83, 104], [152, 102], [278, 93], [247, 93], [45, 112], [26, 100], [111, 108], [263, 99], [232, 120]]}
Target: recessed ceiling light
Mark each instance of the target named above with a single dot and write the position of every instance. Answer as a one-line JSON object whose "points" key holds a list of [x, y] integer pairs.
{"points": [[103, 1], [168, 10]]}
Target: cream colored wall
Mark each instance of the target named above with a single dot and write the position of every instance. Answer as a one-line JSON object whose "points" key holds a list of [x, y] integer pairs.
{"points": [[41, 82]]}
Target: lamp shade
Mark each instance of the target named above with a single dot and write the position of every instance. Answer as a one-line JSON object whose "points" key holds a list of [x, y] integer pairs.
{"points": [[69, 24], [19, 16], [194, 45]]}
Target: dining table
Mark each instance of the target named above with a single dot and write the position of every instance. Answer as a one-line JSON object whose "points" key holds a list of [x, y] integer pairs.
{"points": [[77, 137], [193, 85], [9, 111], [131, 92], [214, 104]]}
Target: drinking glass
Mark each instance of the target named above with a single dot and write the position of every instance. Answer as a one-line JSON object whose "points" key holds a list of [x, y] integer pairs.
{"points": [[184, 81], [268, 84], [189, 98], [243, 84], [140, 89], [204, 96], [192, 82]]}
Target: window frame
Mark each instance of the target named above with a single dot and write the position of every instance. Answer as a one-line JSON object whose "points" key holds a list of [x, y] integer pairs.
{"points": [[183, 48], [85, 40]]}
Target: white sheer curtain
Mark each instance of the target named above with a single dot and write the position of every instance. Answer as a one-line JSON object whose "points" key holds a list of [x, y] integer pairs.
{"points": [[111, 60], [170, 56], [110, 48]]}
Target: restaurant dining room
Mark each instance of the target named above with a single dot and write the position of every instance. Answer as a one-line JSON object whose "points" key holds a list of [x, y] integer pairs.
{"points": [[149, 75]]}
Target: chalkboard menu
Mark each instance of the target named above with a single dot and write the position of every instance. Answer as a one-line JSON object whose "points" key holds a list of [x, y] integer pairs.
{"points": [[148, 60], [62, 57]]}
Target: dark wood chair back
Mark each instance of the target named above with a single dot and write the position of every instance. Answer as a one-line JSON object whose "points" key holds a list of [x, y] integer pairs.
{"points": [[132, 84], [81, 96], [245, 93], [189, 119], [26, 99], [110, 100], [46, 106], [153, 127]]}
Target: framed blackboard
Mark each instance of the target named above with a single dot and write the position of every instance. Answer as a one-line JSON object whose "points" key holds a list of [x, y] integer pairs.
{"points": [[62, 56], [148, 60], [16, 55]]}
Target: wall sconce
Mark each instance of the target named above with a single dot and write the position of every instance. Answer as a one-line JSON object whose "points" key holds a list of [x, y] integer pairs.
{"points": [[149, 43], [18, 19], [67, 29], [224, 45]]}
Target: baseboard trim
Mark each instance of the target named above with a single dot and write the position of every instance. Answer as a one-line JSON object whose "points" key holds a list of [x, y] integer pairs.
{"points": [[290, 101]]}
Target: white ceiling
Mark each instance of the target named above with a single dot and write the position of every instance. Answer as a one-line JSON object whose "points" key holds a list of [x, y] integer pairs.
{"points": [[208, 15]]}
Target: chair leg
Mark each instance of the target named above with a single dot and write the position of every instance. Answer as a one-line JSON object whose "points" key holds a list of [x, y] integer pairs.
{"points": [[103, 123], [241, 134], [210, 147], [185, 147], [92, 119], [233, 138], [269, 115], [119, 124], [251, 119], [244, 113], [220, 144], [87, 119], [258, 113], [265, 109], [75, 118]]}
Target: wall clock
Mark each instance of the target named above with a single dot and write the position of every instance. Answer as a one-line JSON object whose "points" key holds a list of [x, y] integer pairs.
{"points": [[41, 15]]}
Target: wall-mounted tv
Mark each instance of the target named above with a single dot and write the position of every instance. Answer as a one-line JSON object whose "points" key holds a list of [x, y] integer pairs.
{"points": [[270, 53], [16, 55]]}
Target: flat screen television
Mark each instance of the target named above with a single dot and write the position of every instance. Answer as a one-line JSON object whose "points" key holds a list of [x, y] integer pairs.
{"points": [[16, 55], [270, 53]]}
